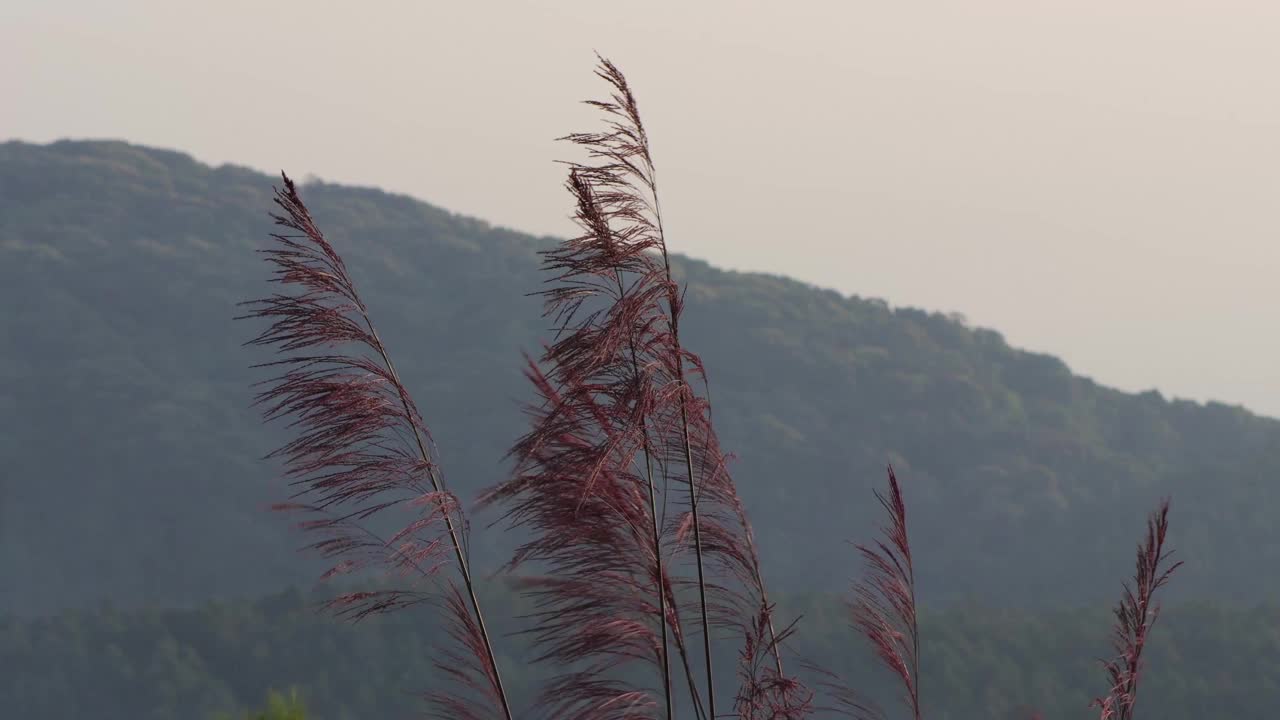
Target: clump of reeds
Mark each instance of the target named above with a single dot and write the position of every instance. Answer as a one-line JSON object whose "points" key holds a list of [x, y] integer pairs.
{"points": [[642, 549]]}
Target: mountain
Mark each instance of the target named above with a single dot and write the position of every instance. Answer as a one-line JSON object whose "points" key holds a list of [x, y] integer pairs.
{"points": [[130, 459]]}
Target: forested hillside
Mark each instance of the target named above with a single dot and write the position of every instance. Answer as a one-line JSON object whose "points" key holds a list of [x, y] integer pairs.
{"points": [[130, 463], [1206, 662]]}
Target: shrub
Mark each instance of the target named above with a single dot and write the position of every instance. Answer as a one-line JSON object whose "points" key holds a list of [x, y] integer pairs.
{"points": [[279, 707]]}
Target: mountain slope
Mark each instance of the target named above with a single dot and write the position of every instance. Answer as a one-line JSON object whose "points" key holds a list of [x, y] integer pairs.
{"points": [[129, 458]]}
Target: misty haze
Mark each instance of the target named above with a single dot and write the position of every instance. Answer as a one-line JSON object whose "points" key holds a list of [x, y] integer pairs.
{"points": [[853, 361]]}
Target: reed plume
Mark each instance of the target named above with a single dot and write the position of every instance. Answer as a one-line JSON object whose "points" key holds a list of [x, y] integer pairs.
{"points": [[1136, 614], [619, 435], [884, 605], [361, 451]]}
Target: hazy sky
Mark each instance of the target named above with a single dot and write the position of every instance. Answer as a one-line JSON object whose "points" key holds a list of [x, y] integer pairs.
{"points": [[1099, 179]]}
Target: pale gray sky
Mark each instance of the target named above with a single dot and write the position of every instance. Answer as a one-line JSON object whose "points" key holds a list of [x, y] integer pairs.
{"points": [[1098, 179]]}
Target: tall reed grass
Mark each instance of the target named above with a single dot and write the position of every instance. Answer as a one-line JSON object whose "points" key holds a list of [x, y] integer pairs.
{"points": [[639, 554]]}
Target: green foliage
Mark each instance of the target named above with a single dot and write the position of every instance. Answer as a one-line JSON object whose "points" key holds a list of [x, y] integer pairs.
{"points": [[1206, 662], [279, 707], [131, 456]]}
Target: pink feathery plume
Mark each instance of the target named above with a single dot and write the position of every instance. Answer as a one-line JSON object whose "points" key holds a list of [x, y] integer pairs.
{"points": [[588, 481], [884, 603], [737, 599], [1135, 615], [713, 528], [764, 692], [582, 491], [619, 437], [361, 451]]}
